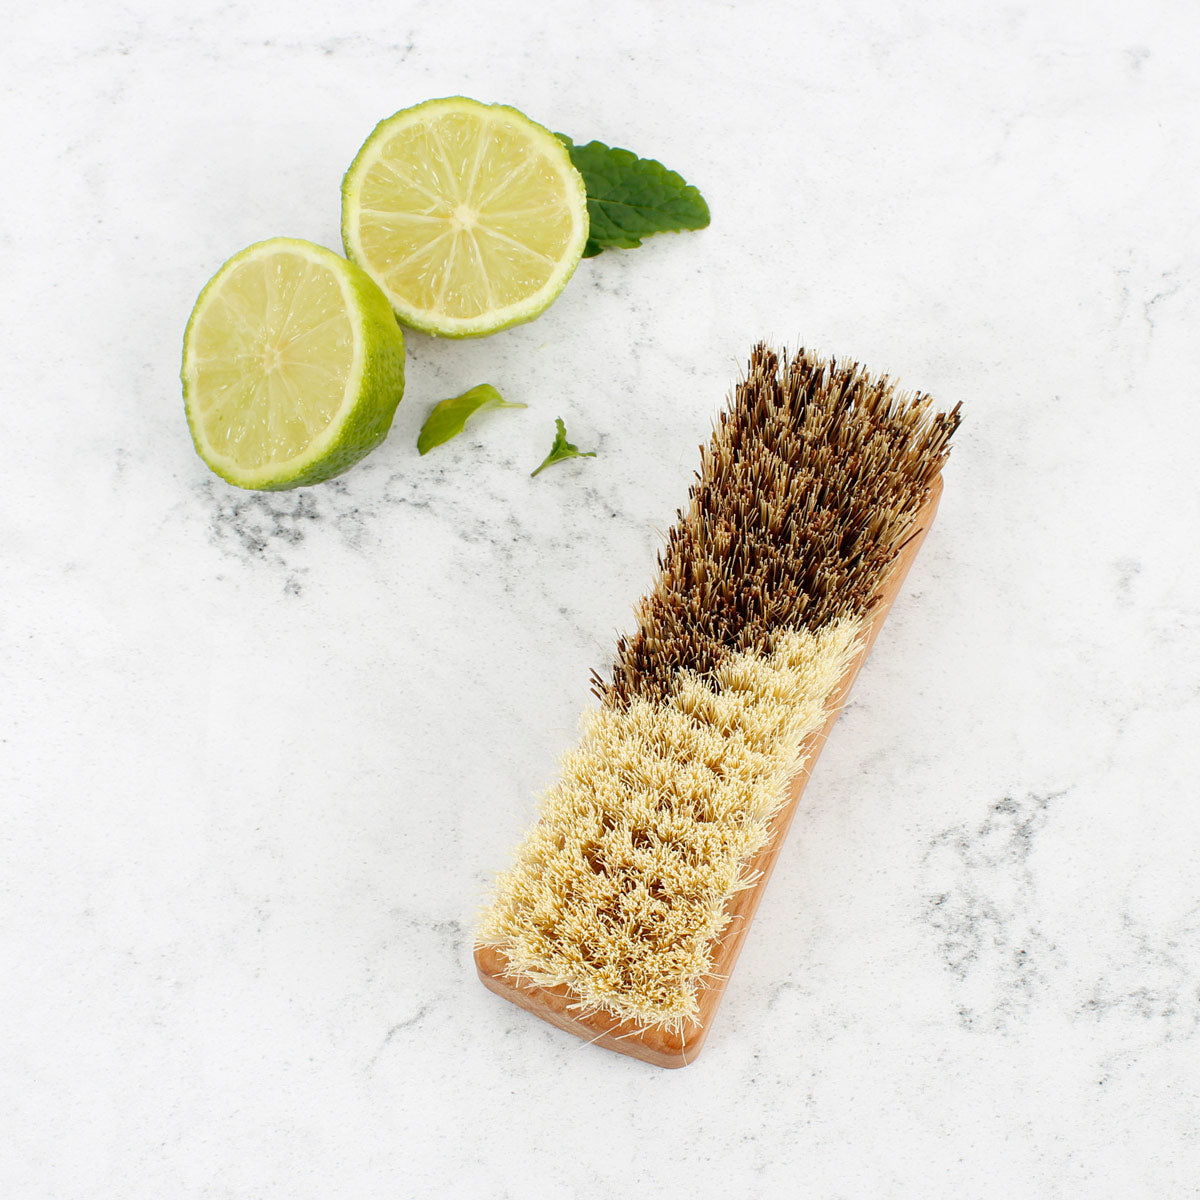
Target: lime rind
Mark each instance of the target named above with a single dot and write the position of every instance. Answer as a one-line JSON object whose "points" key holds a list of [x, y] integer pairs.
{"points": [[427, 320]]}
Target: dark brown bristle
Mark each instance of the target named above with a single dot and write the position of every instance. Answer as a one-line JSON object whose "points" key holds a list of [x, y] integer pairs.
{"points": [[805, 493]]}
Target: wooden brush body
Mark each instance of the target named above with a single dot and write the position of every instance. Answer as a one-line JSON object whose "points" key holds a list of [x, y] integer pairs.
{"points": [[628, 902]]}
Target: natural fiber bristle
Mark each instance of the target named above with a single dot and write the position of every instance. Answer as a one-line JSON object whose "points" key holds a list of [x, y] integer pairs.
{"points": [[810, 483], [810, 486], [620, 889]]}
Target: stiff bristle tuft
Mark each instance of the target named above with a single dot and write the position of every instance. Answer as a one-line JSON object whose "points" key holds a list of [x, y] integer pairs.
{"points": [[620, 890], [803, 497]]}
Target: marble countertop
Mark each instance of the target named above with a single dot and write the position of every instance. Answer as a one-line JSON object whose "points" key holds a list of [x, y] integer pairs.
{"points": [[260, 754]]}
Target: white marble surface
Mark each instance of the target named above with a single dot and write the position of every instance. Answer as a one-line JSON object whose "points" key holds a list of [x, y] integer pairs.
{"points": [[259, 755]]}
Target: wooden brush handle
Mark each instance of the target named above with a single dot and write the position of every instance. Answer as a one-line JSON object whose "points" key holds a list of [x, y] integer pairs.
{"points": [[560, 1006]]}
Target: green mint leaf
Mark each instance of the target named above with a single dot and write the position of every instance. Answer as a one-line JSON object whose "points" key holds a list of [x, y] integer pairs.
{"points": [[562, 449], [629, 198], [447, 418]]}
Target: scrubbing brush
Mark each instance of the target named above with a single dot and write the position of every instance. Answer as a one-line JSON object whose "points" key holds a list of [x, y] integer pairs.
{"points": [[628, 902]]}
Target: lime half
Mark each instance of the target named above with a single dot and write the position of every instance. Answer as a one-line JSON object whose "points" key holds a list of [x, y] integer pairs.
{"points": [[293, 365], [469, 216]]}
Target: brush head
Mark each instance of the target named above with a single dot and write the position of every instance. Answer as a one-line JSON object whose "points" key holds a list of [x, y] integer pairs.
{"points": [[811, 480], [805, 496]]}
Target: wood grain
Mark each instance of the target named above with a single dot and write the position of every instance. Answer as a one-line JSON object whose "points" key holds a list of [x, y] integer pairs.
{"points": [[560, 1006]]}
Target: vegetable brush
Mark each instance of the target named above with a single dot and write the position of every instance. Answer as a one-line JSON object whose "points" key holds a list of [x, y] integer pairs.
{"points": [[626, 906]]}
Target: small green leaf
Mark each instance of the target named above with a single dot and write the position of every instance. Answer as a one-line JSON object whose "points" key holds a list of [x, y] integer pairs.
{"points": [[629, 198], [562, 449], [447, 418]]}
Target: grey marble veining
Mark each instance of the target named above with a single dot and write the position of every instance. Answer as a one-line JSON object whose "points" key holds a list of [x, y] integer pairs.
{"points": [[260, 755], [983, 911]]}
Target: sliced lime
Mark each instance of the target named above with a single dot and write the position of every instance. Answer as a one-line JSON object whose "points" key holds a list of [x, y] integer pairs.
{"points": [[469, 216], [293, 365]]}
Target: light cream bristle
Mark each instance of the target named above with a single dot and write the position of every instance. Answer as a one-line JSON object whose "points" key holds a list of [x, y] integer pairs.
{"points": [[619, 891]]}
